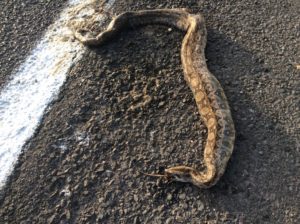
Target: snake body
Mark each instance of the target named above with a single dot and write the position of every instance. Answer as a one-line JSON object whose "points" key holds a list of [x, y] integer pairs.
{"points": [[208, 93]]}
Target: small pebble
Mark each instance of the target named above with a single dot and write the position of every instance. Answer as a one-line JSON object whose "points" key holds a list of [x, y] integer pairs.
{"points": [[182, 196], [169, 197]]}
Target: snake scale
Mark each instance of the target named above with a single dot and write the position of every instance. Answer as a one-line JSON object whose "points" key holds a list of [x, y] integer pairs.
{"points": [[208, 93]]}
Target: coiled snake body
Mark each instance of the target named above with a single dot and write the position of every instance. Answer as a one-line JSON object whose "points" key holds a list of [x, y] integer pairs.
{"points": [[208, 93]]}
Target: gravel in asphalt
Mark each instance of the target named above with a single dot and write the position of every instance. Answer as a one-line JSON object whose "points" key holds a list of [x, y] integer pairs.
{"points": [[126, 108], [22, 23]]}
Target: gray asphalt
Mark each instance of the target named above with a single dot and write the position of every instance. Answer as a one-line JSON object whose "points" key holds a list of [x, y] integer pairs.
{"points": [[82, 165], [22, 23]]}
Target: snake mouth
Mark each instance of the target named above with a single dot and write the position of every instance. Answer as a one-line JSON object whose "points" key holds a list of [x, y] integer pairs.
{"points": [[168, 177]]}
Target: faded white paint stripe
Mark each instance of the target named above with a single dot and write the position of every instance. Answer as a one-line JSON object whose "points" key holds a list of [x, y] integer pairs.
{"points": [[37, 82]]}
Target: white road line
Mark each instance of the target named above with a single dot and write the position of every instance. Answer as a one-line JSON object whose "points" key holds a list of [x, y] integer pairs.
{"points": [[37, 82]]}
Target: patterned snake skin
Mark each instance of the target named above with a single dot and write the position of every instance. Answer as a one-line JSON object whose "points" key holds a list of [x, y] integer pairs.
{"points": [[208, 93]]}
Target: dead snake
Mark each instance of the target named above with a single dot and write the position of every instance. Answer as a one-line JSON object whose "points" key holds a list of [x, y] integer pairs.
{"points": [[208, 93]]}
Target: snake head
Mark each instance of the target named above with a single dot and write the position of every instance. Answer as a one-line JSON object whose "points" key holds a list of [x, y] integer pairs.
{"points": [[179, 173]]}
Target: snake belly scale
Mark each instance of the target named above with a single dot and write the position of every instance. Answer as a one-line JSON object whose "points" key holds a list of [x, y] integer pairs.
{"points": [[209, 96]]}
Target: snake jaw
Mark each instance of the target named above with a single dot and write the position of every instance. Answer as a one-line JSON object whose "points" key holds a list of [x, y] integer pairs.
{"points": [[154, 175], [180, 174], [166, 176]]}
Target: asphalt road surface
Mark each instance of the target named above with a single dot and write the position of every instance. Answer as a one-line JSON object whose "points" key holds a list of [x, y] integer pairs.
{"points": [[82, 165]]}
